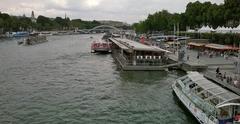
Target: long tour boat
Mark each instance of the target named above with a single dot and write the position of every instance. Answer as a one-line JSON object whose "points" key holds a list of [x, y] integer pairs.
{"points": [[208, 102]]}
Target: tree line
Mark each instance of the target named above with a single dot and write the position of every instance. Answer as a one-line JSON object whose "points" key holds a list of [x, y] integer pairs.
{"points": [[196, 15], [23, 23]]}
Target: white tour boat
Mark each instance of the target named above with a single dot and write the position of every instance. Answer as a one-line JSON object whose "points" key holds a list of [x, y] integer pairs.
{"points": [[208, 102]]}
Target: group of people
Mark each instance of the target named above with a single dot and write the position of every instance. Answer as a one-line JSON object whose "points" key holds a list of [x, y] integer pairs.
{"points": [[229, 79], [212, 54]]}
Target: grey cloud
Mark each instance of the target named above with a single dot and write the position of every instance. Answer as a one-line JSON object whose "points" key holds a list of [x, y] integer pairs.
{"points": [[124, 10]]}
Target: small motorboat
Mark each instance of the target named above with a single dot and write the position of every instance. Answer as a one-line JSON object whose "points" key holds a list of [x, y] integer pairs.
{"points": [[33, 39]]}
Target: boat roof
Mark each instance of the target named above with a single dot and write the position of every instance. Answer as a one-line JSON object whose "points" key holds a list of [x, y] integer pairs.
{"points": [[129, 44], [217, 91], [122, 46]]}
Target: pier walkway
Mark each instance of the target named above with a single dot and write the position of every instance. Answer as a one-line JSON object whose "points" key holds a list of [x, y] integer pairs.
{"points": [[190, 65], [204, 62], [212, 76]]}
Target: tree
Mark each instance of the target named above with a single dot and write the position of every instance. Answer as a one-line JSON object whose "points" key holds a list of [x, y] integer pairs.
{"points": [[45, 23], [196, 15], [232, 12], [1, 23]]}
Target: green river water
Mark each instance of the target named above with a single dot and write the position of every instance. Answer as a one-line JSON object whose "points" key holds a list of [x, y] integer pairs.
{"points": [[61, 82]]}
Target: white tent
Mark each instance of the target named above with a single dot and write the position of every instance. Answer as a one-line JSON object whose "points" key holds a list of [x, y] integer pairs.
{"points": [[205, 29], [236, 30], [219, 29], [226, 30], [212, 29]]}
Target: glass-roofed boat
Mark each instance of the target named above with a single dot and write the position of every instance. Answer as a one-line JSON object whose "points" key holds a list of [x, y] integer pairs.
{"points": [[208, 102]]}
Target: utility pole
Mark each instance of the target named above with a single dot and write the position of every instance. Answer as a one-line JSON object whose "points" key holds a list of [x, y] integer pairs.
{"points": [[238, 62], [174, 29], [177, 38], [178, 29]]}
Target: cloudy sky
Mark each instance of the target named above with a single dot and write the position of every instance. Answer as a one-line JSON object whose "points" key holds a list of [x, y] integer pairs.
{"points": [[122, 10]]}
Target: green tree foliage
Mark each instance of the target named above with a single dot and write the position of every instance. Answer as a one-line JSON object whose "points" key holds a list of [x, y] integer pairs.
{"points": [[22, 23], [159, 21], [196, 15], [1, 23], [232, 12], [78, 23]]}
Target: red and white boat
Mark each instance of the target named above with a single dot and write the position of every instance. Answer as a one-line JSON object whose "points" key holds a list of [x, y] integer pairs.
{"points": [[101, 46]]}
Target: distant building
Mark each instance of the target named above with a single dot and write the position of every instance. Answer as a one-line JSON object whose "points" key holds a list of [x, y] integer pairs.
{"points": [[33, 17]]}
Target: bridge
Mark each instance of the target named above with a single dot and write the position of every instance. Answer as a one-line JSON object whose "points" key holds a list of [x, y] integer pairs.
{"points": [[101, 28]]}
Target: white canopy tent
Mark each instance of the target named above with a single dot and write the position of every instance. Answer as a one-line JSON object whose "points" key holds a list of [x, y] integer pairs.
{"points": [[236, 30], [205, 29], [219, 29], [224, 30]]}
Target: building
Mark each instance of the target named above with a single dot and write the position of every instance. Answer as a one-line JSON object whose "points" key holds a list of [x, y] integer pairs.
{"points": [[33, 19]]}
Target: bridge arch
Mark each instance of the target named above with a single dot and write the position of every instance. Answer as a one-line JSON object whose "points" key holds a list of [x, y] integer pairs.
{"points": [[104, 26]]}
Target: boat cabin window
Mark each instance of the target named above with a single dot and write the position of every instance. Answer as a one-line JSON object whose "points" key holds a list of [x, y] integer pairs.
{"points": [[191, 86], [199, 89], [237, 113], [178, 86], [229, 114], [214, 101], [225, 113], [186, 80], [205, 95]]}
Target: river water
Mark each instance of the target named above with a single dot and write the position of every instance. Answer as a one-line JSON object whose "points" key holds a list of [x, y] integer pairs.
{"points": [[61, 82]]}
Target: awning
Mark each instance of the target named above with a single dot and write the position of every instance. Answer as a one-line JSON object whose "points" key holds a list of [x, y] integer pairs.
{"points": [[220, 47], [196, 44]]}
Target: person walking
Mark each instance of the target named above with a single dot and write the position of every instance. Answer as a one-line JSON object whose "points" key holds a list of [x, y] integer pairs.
{"points": [[198, 56], [217, 71]]}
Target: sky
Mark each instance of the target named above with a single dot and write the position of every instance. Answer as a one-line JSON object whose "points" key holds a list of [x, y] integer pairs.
{"points": [[128, 11]]}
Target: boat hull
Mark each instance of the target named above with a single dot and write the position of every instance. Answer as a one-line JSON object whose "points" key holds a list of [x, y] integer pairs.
{"points": [[101, 50]]}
